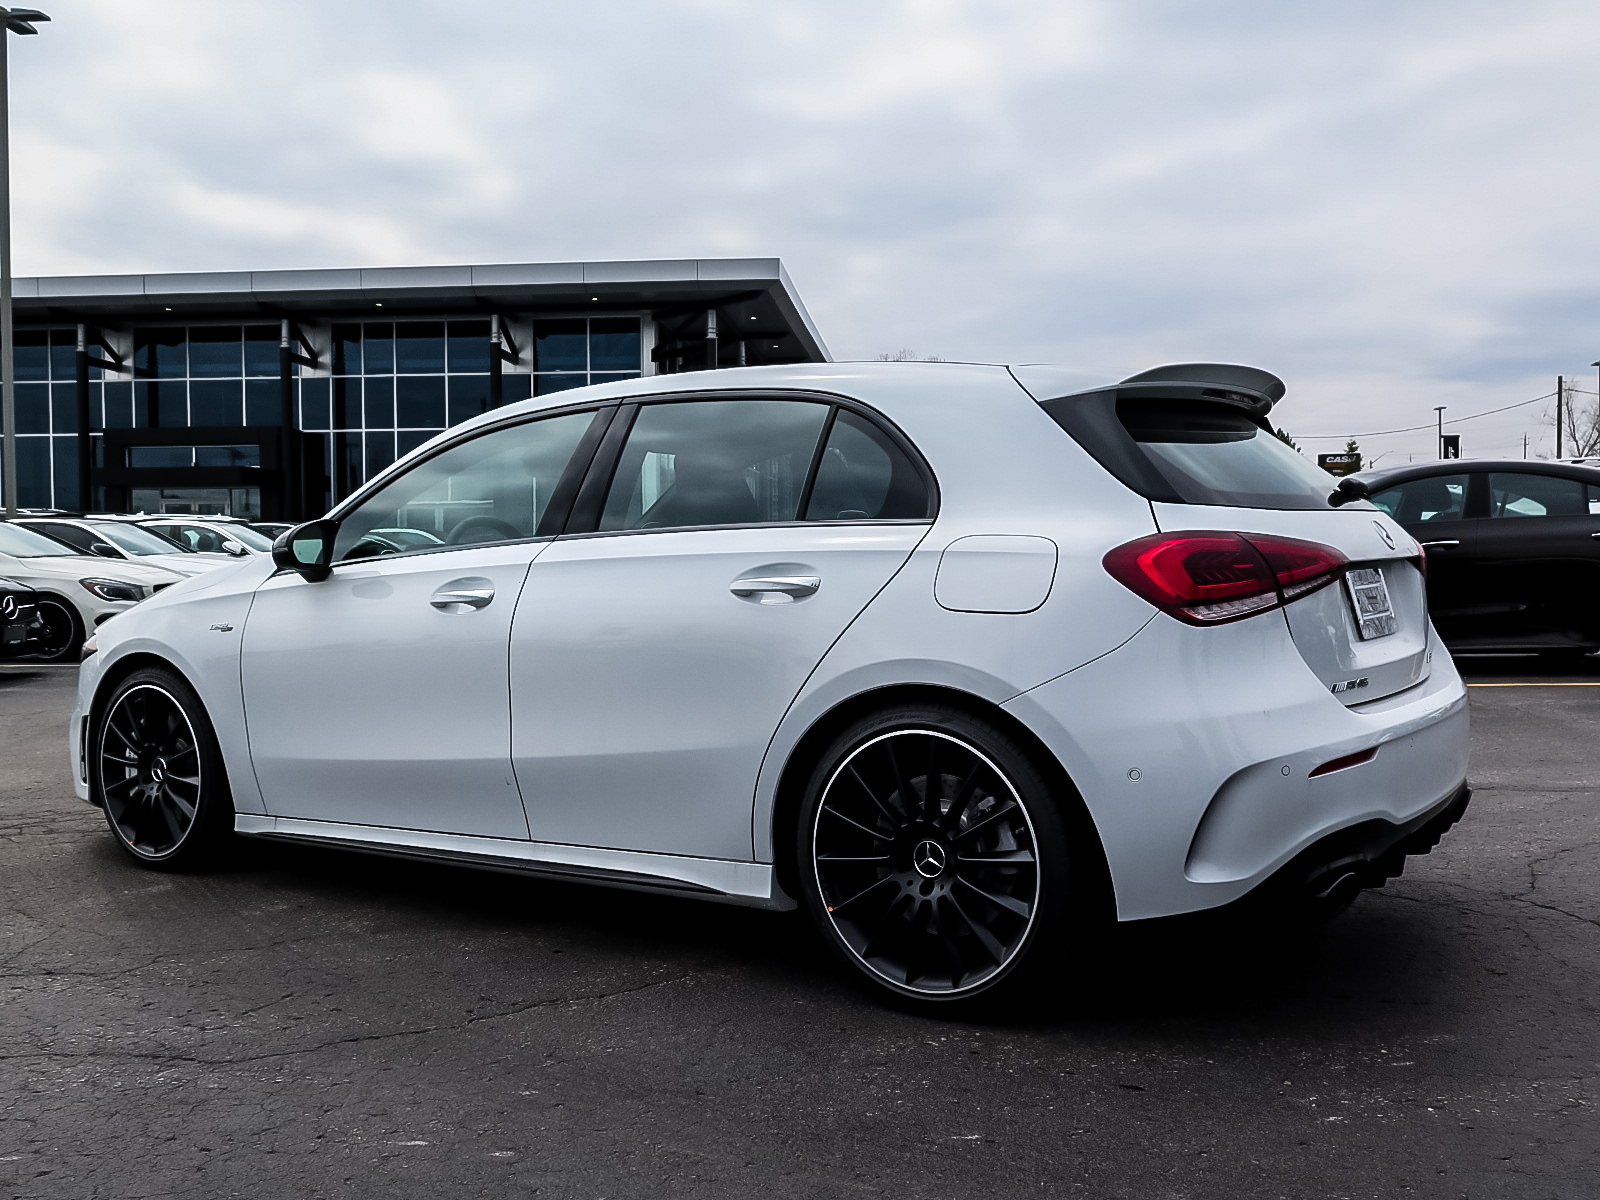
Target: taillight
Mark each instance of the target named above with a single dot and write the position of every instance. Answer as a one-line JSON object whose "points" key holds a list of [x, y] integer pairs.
{"points": [[1208, 578]]}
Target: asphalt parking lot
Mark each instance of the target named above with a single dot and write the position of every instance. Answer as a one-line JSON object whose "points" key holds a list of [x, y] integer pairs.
{"points": [[308, 1023]]}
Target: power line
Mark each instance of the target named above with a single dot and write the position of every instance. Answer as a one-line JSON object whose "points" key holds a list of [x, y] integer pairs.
{"points": [[1329, 437]]}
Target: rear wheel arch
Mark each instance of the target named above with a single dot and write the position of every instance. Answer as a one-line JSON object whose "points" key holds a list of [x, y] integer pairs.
{"points": [[809, 749]]}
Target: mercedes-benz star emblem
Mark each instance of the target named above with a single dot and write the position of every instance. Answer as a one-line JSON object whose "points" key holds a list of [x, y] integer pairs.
{"points": [[1388, 538], [928, 858], [8, 607], [158, 771]]}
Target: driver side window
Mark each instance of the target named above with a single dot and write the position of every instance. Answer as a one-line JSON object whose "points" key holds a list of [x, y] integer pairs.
{"points": [[494, 488]]}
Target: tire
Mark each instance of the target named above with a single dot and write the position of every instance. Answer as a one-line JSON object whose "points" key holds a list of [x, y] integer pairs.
{"points": [[156, 769], [982, 896], [63, 630]]}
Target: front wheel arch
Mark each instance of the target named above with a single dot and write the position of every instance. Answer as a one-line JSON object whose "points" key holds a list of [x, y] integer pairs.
{"points": [[803, 759]]}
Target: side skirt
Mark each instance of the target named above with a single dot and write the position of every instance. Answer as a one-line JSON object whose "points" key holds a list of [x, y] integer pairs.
{"points": [[750, 884]]}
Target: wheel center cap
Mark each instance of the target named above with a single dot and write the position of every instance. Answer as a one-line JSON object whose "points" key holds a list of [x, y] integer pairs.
{"points": [[928, 857], [158, 770]]}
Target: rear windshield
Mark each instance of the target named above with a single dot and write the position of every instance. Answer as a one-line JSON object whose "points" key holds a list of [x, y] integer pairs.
{"points": [[1191, 451], [1213, 454]]}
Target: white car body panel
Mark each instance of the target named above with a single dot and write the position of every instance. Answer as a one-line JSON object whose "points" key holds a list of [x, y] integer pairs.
{"points": [[401, 714], [650, 715], [645, 693]]}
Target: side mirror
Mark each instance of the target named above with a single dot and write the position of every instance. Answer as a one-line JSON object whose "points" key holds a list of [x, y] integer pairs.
{"points": [[234, 548], [307, 549], [103, 550]]}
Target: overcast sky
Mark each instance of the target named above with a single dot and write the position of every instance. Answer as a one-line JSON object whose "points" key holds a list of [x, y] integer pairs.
{"points": [[1391, 204]]}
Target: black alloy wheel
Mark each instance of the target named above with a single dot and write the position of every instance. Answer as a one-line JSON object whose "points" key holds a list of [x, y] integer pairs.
{"points": [[933, 855], [158, 772], [63, 631]]}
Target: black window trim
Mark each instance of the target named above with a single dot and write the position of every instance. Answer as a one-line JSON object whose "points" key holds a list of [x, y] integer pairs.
{"points": [[585, 519], [582, 488]]}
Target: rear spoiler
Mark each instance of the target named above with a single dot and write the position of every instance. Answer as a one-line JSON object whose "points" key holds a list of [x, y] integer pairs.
{"points": [[1090, 417], [1249, 388]]}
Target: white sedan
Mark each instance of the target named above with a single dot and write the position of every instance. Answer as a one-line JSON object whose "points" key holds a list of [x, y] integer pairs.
{"points": [[964, 662], [124, 541], [76, 591]]}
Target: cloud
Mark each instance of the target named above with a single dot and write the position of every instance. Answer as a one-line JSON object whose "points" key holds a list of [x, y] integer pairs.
{"points": [[1390, 204]]}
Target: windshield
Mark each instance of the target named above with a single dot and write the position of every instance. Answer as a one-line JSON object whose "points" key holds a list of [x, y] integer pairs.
{"points": [[137, 541], [25, 543], [243, 533]]}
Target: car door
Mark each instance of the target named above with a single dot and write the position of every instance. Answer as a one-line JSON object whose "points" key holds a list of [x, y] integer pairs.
{"points": [[379, 696], [1537, 560], [1435, 510], [653, 655]]}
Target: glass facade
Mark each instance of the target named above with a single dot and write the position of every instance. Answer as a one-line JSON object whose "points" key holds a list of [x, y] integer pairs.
{"points": [[387, 387], [47, 415]]}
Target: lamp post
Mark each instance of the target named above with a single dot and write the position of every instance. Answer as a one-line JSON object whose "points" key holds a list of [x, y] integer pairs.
{"points": [[1438, 411], [16, 20]]}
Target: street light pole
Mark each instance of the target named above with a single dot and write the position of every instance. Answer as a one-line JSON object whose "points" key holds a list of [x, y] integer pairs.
{"points": [[15, 20], [1438, 411]]}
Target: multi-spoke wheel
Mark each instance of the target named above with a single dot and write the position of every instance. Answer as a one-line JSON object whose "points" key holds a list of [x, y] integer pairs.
{"points": [[63, 630], [158, 772], [932, 852]]}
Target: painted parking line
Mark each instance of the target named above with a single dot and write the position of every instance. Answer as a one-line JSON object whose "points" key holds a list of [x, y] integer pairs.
{"points": [[1596, 683]]}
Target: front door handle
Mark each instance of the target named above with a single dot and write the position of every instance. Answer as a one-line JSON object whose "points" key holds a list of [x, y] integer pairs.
{"points": [[463, 595], [775, 589], [1595, 535], [1455, 542]]}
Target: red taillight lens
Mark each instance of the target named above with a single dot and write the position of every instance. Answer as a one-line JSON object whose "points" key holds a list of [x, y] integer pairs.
{"points": [[1300, 567], [1208, 578]]}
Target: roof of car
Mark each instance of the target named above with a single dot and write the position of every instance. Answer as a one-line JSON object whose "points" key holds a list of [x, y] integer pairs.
{"points": [[1454, 466]]}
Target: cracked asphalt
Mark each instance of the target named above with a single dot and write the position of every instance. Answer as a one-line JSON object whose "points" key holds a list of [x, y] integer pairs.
{"points": [[308, 1023]]}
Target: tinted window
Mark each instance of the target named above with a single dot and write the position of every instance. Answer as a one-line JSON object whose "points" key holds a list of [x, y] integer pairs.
{"points": [[72, 535], [1517, 495], [1436, 498], [864, 476], [494, 488], [136, 540], [715, 462], [1215, 454]]}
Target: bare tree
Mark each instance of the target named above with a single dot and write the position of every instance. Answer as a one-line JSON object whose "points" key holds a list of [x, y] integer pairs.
{"points": [[1582, 420], [909, 356]]}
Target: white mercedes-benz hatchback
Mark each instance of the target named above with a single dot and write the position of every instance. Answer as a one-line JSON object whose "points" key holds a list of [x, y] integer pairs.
{"points": [[966, 663]]}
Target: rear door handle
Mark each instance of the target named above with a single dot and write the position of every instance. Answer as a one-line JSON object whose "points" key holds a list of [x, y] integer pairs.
{"points": [[1455, 542], [776, 589], [463, 595]]}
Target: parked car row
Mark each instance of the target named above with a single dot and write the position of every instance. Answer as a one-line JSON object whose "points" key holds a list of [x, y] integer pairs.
{"points": [[61, 575]]}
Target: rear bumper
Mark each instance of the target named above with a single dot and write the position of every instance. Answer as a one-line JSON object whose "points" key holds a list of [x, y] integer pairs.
{"points": [[1328, 873], [1197, 753]]}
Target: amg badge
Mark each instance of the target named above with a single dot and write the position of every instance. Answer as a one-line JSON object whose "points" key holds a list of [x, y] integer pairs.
{"points": [[1350, 685]]}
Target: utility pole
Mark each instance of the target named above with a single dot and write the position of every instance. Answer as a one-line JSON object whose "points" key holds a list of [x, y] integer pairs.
{"points": [[16, 20], [1561, 389], [1438, 411]]}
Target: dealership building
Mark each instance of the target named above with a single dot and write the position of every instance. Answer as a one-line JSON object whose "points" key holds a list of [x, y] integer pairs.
{"points": [[274, 394]]}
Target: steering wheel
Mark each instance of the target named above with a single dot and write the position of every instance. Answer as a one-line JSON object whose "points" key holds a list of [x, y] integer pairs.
{"points": [[482, 529]]}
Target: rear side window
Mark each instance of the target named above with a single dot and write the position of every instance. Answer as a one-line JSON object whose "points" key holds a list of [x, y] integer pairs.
{"points": [[1517, 495], [863, 476], [1436, 498], [1191, 451]]}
